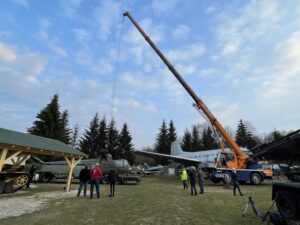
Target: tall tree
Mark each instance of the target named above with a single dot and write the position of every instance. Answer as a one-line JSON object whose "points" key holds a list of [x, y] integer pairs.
{"points": [[186, 143], [112, 140], [51, 123], [102, 135], [274, 135], [208, 139], [196, 139], [88, 143], [172, 136], [125, 146], [277, 135], [161, 145], [64, 127], [241, 136], [75, 137]]}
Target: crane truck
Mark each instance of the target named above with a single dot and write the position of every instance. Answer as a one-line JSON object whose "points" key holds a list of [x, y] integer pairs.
{"points": [[234, 159]]}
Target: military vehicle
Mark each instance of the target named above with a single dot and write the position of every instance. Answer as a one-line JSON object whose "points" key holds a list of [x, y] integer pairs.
{"points": [[52, 171], [13, 178]]}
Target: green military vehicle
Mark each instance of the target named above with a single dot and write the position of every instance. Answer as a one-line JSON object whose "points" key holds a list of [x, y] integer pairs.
{"points": [[52, 171]]}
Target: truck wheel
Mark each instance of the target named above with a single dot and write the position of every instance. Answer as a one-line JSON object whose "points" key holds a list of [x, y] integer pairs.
{"points": [[255, 178], [22, 180], [119, 180], [227, 179], [105, 180], [45, 178], [287, 204]]}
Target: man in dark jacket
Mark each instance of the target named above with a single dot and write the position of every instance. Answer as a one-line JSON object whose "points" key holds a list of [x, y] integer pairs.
{"points": [[112, 179], [193, 177], [31, 175], [235, 182], [200, 177], [84, 177]]}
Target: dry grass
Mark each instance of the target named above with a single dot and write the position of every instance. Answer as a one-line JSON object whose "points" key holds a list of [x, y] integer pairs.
{"points": [[153, 201]]}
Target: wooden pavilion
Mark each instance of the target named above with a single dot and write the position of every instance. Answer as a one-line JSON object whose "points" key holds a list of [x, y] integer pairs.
{"points": [[16, 144]]}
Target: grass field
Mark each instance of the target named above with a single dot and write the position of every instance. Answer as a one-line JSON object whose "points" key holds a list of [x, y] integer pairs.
{"points": [[153, 201]]}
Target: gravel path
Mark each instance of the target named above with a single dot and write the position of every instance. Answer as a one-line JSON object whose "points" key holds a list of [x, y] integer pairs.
{"points": [[18, 205]]}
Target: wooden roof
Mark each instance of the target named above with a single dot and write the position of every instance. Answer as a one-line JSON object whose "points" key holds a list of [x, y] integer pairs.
{"points": [[28, 143]]}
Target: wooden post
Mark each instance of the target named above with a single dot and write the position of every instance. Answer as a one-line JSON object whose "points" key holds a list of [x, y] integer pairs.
{"points": [[2, 157], [71, 164]]}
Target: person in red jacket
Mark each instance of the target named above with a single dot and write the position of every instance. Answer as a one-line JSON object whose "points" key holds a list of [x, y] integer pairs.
{"points": [[95, 175]]}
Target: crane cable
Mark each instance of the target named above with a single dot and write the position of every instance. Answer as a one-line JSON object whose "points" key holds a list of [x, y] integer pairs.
{"points": [[117, 66]]}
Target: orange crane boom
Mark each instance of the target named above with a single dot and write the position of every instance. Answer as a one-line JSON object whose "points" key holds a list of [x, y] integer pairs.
{"points": [[241, 156]]}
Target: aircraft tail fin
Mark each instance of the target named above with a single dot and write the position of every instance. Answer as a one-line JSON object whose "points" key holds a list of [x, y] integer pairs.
{"points": [[175, 148]]}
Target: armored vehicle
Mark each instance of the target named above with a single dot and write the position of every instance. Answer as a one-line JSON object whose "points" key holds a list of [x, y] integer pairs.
{"points": [[51, 171]]}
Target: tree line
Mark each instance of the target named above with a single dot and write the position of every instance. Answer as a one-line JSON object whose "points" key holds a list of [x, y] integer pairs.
{"points": [[203, 137], [102, 135], [99, 135]]}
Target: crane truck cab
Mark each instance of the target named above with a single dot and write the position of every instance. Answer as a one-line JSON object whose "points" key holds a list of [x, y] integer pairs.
{"points": [[254, 172]]}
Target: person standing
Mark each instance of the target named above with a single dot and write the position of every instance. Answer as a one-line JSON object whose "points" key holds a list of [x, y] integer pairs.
{"points": [[84, 177], [235, 182], [31, 175], [112, 179], [184, 178], [193, 177], [95, 175], [200, 176]]}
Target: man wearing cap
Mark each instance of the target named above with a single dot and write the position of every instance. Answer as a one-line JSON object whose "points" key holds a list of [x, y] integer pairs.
{"points": [[200, 177], [95, 174]]}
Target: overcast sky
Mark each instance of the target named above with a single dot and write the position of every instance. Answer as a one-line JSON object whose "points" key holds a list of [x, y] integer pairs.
{"points": [[242, 58]]}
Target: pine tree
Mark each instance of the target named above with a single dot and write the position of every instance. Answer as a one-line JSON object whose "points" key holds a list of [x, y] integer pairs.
{"points": [[74, 142], [161, 145], [241, 134], [208, 139], [88, 143], [186, 143], [172, 136], [112, 140], [51, 123], [102, 134], [196, 139], [64, 127], [276, 135], [125, 146]]}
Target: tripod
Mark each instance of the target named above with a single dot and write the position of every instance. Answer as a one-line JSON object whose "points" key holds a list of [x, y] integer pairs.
{"points": [[249, 201]]}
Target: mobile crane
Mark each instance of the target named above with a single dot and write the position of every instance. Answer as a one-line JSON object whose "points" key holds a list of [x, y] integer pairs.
{"points": [[236, 158]]}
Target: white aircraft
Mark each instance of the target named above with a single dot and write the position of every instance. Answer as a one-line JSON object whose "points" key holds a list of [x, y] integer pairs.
{"points": [[178, 155], [153, 169]]}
